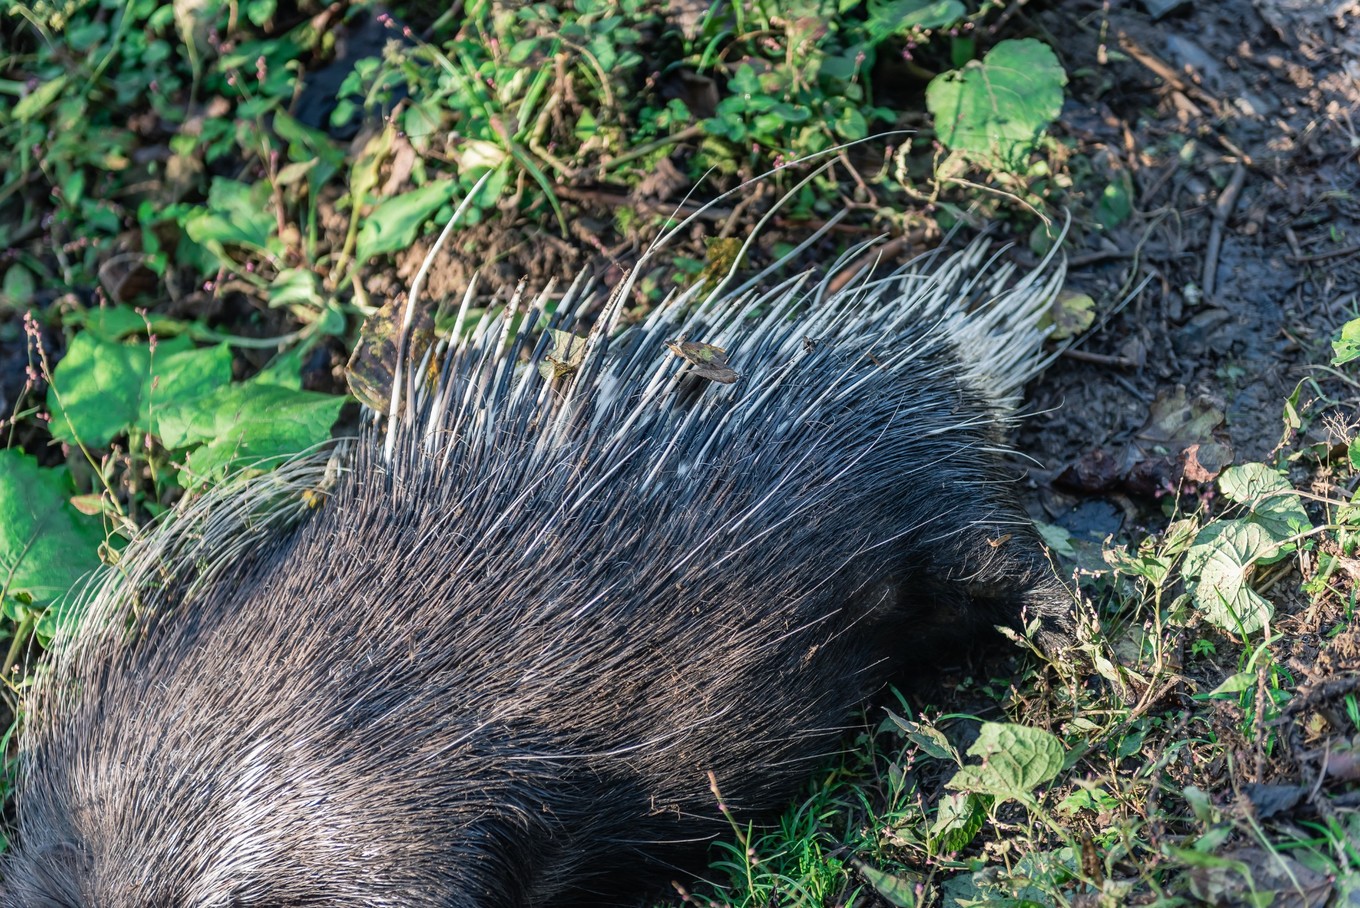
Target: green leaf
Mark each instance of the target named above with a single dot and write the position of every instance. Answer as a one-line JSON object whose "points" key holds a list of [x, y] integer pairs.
{"points": [[394, 223], [1016, 760], [1275, 506], [1217, 568], [19, 286], [996, 109], [851, 125], [1251, 481], [1347, 345], [95, 393], [1116, 202], [1234, 685], [296, 287], [103, 388], [305, 143], [251, 422], [113, 323], [285, 370], [46, 545], [930, 739], [1086, 799], [180, 377], [421, 122], [260, 11], [901, 16], [522, 50], [237, 214], [958, 819], [892, 888], [744, 83], [34, 103]]}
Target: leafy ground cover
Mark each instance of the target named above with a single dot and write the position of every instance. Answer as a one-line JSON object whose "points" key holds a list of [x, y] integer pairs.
{"points": [[204, 201]]}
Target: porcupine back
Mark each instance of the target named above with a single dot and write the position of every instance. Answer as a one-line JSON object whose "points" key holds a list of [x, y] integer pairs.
{"points": [[501, 660]]}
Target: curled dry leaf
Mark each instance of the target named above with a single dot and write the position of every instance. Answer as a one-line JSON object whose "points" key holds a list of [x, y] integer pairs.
{"points": [[707, 360]]}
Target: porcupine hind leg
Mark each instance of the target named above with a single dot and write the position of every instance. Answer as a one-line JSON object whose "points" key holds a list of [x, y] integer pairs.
{"points": [[989, 569], [1009, 578]]}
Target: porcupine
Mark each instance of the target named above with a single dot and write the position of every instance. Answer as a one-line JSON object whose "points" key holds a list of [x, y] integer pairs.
{"points": [[536, 619]]}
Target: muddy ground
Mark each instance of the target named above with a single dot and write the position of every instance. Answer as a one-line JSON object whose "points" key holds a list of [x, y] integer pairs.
{"points": [[1245, 250]]}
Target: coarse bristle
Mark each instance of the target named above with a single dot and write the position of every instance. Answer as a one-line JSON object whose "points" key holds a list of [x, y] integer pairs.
{"points": [[531, 617], [966, 314]]}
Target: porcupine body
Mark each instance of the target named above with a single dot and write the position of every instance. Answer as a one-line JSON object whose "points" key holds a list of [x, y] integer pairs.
{"points": [[497, 666]]}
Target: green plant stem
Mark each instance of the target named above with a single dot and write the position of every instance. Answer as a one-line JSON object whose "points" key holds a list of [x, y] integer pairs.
{"points": [[684, 135], [21, 634]]}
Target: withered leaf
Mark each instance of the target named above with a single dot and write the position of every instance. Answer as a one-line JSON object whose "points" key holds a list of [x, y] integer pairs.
{"points": [[565, 357], [707, 360], [373, 363]]}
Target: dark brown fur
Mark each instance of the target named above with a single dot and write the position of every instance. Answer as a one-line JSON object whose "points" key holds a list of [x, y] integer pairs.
{"points": [[497, 667]]}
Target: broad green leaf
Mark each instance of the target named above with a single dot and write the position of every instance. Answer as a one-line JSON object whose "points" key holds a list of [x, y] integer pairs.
{"points": [[296, 287], [522, 50], [1217, 568], [1234, 684], [995, 110], [421, 123], [250, 422], [394, 223], [892, 888], [744, 83], [102, 388], [1250, 481], [96, 389], [896, 17], [958, 819], [1347, 345], [1275, 506], [927, 737], [1080, 799], [46, 545], [178, 378], [1116, 202], [305, 143], [18, 287], [851, 125], [113, 323], [1016, 760], [236, 214], [285, 370]]}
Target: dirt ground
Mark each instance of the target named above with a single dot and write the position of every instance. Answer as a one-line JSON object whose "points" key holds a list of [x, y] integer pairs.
{"points": [[1244, 247]]}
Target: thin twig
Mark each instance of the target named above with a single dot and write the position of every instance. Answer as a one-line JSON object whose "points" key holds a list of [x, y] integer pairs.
{"points": [[1322, 256], [1223, 209]]}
